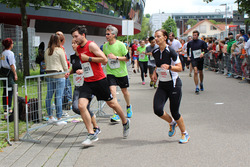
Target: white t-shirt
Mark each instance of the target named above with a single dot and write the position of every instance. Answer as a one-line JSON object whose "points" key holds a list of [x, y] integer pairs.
{"points": [[176, 45], [7, 59]]}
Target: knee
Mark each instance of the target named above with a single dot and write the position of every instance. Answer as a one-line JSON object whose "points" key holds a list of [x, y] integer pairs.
{"points": [[158, 111], [176, 116], [111, 103], [82, 107]]}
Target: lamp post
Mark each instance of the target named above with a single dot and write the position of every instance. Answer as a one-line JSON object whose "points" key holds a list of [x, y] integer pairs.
{"points": [[225, 4]]}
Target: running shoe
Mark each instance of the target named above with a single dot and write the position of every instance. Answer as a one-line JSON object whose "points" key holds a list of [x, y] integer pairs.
{"points": [[172, 130], [126, 129], [97, 131], [129, 111], [52, 120], [89, 139], [197, 90], [201, 87], [143, 83], [229, 75], [184, 138], [155, 86], [134, 70], [151, 83], [115, 118], [61, 123]]}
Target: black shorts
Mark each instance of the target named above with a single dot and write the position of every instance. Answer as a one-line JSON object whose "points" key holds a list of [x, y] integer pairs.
{"points": [[122, 82], [98, 88], [151, 69], [198, 63]]}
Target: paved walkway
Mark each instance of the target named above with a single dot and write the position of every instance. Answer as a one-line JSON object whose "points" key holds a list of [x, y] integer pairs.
{"points": [[217, 120]]}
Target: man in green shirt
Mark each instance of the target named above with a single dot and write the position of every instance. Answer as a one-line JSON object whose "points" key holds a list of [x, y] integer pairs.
{"points": [[117, 74], [229, 46], [143, 60]]}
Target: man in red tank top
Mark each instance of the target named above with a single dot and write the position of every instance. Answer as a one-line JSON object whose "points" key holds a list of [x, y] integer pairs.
{"points": [[95, 82]]}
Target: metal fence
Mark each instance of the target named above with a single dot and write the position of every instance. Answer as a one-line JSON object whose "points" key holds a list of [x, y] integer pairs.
{"points": [[237, 67], [4, 114], [16, 34], [36, 116]]}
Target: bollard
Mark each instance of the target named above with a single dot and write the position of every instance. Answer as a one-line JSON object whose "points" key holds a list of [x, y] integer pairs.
{"points": [[16, 114]]}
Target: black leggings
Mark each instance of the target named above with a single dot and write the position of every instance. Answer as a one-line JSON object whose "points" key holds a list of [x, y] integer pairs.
{"points": [[166, 90], [144, 68]]}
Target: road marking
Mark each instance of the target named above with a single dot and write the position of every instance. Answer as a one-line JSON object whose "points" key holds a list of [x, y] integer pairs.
{"points": [[219, 103]]}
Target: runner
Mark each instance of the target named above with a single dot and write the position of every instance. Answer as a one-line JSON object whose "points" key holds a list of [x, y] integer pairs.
{"points": [[135, 55], [95, 82], [151, 61], [117, 73], [143, 60], [187, 62], [197, 48], [77, 71], [168, 65]]}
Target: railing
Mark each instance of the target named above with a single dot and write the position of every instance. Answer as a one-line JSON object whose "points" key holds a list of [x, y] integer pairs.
{"points": [[4, 114], [36, 91]]}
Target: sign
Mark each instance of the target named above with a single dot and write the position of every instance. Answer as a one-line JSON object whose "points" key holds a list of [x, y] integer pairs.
{"points": [[127, 27], [238, 18]]}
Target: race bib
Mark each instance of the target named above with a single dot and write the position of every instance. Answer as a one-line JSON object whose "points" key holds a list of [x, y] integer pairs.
{"points": [[163, 75], [135, 53], [78, 80], [142, 56], [197, 53], [151, 57], [87, 70], [113, 64]]}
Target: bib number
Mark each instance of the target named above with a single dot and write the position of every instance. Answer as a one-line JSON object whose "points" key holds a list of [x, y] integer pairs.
{"points": [[142, 56], [135, 53], [197, 53], [78, 79], [87, 70], [113, 64], [163, 75]]}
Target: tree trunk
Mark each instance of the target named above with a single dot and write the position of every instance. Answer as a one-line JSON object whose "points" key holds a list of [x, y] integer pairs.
{"points": [[26, 65]]}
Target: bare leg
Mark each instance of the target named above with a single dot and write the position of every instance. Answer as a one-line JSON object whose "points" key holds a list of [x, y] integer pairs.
{"points": [[195, 76], [116, 106], [93, 120], [113, 92], [201, 76], [126, 95], [181, 124], [166, 117]]}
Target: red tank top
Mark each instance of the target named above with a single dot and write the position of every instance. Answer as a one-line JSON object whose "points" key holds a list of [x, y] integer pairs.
{"points": [[96, 67]]}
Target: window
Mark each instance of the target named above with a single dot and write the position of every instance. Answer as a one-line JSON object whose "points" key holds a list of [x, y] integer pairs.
{"points": [[202, 29], [213, 27]]}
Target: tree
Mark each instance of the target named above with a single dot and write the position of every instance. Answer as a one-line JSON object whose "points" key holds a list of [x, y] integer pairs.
{"points": [[147, 15], [191, 22], [69, 5], [170, 26]]}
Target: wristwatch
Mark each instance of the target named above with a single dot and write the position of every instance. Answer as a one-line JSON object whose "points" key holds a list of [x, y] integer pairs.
{"points": [[90, 59], [169, 67], [116, 57]]}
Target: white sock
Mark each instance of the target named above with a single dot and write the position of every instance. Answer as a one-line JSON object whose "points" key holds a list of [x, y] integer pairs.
{"points": [[173, 122], [185, 132]]}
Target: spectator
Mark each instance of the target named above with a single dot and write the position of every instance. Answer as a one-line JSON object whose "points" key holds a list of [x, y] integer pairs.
{"points": [[55, 62], [40, 58], [67, 93], [242, 33], [8, 69], [247, 48]]}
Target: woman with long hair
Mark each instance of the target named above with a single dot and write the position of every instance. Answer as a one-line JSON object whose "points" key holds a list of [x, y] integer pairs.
{"points": [[168, 65], [8, 69], [55, 62]]}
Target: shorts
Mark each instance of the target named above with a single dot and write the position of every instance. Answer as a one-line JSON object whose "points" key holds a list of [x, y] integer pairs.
{"points": [[136, 58], [198, 63], [122, 82], [98, 88], [151, 70]]}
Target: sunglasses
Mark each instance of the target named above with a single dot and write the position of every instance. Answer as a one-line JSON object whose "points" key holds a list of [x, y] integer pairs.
{"points": [[108, 34]]}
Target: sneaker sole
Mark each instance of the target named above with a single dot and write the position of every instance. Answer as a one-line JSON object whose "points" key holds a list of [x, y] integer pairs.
{"points": [[185, 141], [90, 143]]}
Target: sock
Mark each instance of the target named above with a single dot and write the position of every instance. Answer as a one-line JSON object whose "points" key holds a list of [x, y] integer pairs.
{"points": [[128, 106], [201, 83], [173, 122], [197, 86], [185, 132]]}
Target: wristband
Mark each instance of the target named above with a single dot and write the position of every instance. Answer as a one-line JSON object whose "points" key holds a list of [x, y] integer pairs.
{"points": [[90, 59], [116, 57], [169, 67]]}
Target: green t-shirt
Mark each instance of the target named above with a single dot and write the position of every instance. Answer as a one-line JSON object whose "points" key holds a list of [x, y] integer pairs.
{"points": [[142, 57], [116, 67]]}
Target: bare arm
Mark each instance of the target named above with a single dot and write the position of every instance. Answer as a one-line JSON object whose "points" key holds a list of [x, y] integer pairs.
{"points": [[14, 71], [100, 56]]}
